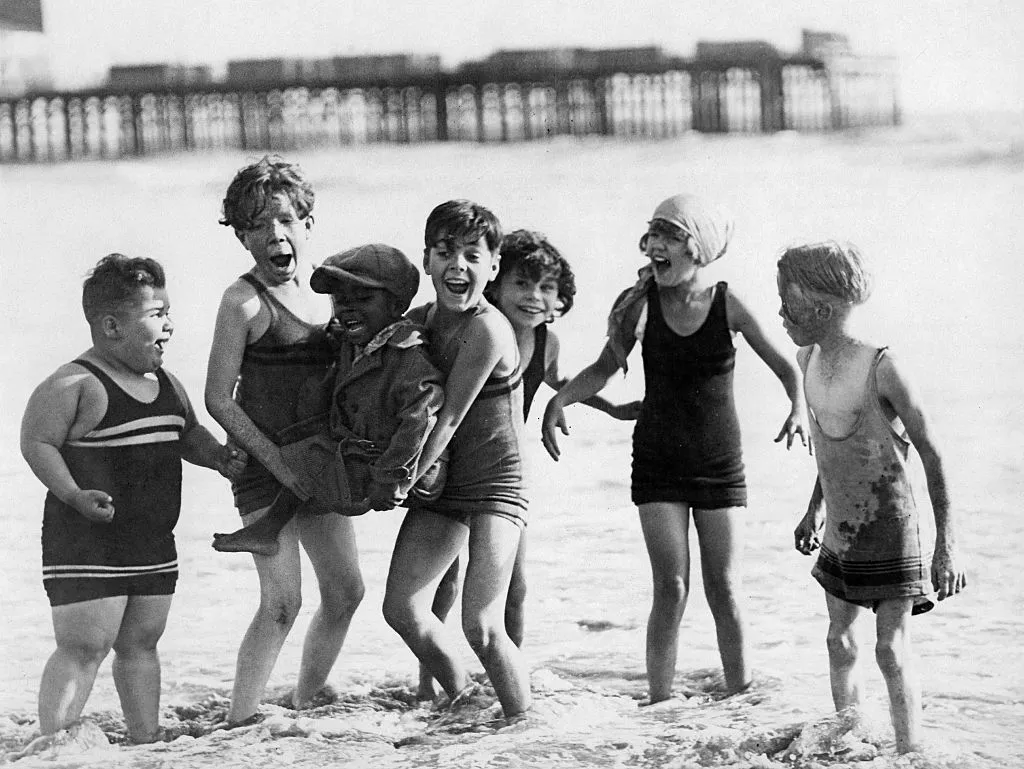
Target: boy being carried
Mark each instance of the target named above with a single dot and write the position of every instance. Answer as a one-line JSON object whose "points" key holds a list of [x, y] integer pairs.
{"points": [[364, 425]]}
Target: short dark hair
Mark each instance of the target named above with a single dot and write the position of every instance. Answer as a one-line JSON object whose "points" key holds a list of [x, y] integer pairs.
{"points": [[254, 186], [829, 267], [531, 252], [464, 220], [116, 281]]}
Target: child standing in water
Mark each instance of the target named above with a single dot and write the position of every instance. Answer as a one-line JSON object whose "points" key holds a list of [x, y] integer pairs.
{"points": [[535, 284], [106, 434], [481, 424], [270, 338], [686, 445], [864, 418]]}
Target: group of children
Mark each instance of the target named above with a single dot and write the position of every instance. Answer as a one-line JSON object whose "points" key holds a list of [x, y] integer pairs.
{"points": [[337, 399]]}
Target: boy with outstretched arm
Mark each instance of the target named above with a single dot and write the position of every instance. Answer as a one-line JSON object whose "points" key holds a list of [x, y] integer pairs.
{"points": [[864, 418], [106, 434]]}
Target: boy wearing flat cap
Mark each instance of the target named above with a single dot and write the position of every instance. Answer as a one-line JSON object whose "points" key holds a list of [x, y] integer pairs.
{"points": [[363, 426]]}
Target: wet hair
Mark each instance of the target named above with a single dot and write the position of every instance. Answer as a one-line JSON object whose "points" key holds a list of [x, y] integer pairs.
{"points": [[253, 187], [835, 269], [533, 253], [462, 220], [116, 281]]}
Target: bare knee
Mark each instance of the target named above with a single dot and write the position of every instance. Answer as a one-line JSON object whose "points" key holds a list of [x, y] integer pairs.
{"points": [[842, 648], [891, 657], [84, 652], [342, 602], [671, 592], [481, 634], [400, 614], [281, 609]]}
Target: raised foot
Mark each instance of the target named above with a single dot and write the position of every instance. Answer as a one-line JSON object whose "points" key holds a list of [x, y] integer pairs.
{"points": [[245, 541]]}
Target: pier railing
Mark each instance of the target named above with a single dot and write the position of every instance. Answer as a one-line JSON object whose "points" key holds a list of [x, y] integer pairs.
{"points": [[759, 96]]}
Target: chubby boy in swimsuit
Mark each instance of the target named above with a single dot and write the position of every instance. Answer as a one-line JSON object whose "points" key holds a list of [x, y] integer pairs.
{"points": [[106, 434]]}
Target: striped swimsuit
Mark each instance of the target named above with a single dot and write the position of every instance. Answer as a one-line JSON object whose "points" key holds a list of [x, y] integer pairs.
{"points": [[132, 454]]}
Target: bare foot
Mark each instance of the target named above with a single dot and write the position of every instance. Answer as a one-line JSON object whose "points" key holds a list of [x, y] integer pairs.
{"points": [[245, 541]]}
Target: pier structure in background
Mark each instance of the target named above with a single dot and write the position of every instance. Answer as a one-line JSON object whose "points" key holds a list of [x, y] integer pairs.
{"points": [[288, 104]]}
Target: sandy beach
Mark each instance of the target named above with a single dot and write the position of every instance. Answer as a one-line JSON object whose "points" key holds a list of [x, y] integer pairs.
{"points": [[936, 205]]}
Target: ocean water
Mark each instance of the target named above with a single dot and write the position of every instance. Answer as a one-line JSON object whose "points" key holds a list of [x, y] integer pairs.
{"points": [[936, 205]]}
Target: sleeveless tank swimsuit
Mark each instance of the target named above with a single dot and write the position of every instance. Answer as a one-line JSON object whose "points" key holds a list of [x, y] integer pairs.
{"points": [[686, 443], [533, 374], [132, 454], [485, 469], [273, 369], [871, 548]]}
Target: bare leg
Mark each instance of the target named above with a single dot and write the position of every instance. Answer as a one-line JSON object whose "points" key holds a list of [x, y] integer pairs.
{"points": [[426, 546], [719, 535], [261, 536], [280, 600], [844, 672], [515, 612], [444, 599], [330, 543], [493, 542], [666, 533], [136, 666], [85, 633], [895, 660]]}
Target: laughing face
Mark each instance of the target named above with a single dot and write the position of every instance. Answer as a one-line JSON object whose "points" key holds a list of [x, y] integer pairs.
{"points": [[672, 253], [460, 271], [277, 240], [527, 302], [143, 329], [361, 311]]}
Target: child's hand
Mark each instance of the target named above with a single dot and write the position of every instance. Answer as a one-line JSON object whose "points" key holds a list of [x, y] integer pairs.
{"points": [[948, 577], [794, 426], [554, 417], [95, 505], [627, 412], [383, 496], [231, 462], [807, 534]]}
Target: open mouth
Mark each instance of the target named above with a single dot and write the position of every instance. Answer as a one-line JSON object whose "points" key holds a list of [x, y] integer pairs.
{"points": [[353, 327], [281, 261], [458, 287], [159, 344], [530, 310], [661, 262]]}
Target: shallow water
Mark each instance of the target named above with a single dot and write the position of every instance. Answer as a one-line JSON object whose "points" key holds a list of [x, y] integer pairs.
{"points": [[937, 209]]}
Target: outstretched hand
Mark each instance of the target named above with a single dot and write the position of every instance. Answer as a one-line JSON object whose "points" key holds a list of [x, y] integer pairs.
{"points": [[231, 462], [554, 417], [794, 426]]}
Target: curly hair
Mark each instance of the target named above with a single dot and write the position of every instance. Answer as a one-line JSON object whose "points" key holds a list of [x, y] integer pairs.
{"points": [[116, 281], [254, 186], [531, 252]]}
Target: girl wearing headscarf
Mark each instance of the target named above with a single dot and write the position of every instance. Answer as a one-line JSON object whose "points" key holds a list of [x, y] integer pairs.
{"points": [[687, 458]]}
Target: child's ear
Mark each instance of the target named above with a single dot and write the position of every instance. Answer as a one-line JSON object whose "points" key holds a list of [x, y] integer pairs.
{"points": [[110, 326], [426, 260], [825, 311], [495, 265]]}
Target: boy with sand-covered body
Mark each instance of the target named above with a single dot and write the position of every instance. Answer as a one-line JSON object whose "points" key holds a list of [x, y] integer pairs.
{"points": [[106, 434], [864, 417]]}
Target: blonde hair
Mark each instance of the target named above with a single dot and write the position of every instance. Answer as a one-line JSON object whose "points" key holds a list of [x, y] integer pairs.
{"points": [[829, 267]]}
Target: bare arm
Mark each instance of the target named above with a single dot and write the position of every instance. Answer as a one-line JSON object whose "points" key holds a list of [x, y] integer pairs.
{"points": [[66, 405], [741, 319], [807, 535], [590, 381], [198, 446], [894, 388], [236, 319], [554, 379]]}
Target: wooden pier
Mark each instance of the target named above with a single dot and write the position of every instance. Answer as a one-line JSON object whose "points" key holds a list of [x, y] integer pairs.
{"points": [[474, 103]]}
